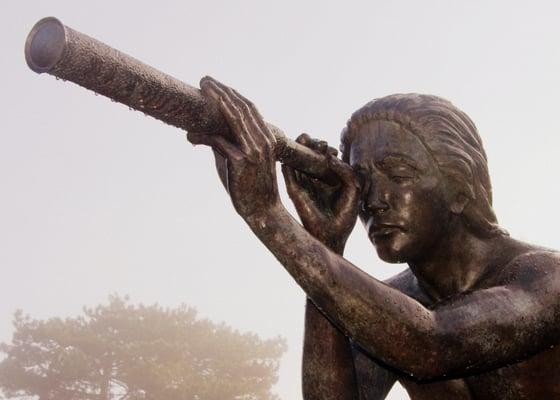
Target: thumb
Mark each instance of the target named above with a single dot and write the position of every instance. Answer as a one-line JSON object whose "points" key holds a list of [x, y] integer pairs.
{"points": [[218, 143], [309, 214]]}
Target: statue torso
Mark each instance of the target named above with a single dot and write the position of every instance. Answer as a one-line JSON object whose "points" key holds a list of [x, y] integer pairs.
{"points": [[537, 377]]}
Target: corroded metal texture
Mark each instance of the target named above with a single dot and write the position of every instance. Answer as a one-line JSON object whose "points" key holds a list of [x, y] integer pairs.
{"points": [[475, 316], [67, 54], [124, 79]]}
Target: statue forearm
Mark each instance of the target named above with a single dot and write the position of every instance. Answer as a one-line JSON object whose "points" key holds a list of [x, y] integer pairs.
{"points": [[327, 365], [375, 315], [398, 330]]}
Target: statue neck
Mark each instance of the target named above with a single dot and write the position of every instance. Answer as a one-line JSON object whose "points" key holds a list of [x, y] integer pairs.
{"points": [[457, 263]]}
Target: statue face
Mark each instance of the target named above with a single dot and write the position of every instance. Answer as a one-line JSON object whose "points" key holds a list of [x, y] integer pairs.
{"points": [[403, 202]]}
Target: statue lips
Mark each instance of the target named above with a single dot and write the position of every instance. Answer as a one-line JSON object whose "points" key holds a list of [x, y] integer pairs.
{"points": [[383, 230]]}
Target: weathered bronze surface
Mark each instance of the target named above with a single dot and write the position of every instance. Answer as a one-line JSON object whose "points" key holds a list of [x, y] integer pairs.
{"points": [[53, 48], [477, 313]]}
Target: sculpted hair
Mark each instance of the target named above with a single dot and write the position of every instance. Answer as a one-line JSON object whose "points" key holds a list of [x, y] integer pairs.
{"points": [[450, 137]]}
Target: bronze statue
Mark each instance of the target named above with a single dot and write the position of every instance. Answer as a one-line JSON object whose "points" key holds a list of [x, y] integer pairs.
{"points": [[477, 313]]}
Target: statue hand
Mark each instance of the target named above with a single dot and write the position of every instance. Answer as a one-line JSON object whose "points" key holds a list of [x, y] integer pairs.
{"points": [[327, 212], [246, 165]]}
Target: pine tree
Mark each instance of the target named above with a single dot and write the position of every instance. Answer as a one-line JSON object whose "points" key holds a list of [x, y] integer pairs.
{"points": [[136, 352]]}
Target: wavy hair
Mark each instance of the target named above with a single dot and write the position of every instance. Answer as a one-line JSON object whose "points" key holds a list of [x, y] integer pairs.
{"points": [[450, 137]]}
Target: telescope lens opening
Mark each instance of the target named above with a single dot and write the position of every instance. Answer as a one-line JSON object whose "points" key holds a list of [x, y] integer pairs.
{"points": [[45, 44]]}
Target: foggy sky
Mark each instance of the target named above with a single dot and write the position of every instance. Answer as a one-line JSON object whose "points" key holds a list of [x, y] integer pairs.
{"points": [[97, 199]]}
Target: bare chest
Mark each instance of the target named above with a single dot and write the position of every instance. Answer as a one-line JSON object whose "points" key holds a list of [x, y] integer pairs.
{"points": [[534, 379]]}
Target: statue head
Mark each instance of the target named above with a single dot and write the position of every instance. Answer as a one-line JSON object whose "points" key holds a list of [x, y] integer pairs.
{"points": [[421, 164]]}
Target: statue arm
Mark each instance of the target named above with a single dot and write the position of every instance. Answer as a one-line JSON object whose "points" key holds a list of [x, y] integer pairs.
{"points": [[327, 366], [483, 329], [333, 368], [328, 212], [380, 319], [374, 380]]}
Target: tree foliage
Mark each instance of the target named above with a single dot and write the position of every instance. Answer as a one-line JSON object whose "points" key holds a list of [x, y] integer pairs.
{"points": [[135, 352]]}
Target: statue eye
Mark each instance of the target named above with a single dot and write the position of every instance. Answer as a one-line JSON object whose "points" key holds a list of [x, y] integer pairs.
{"points": [[397, 170], [401, 179], [401, 174]]}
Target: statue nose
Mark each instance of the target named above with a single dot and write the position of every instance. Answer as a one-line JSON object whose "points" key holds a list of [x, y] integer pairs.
{"points": [[375, 207], [376, 200]]}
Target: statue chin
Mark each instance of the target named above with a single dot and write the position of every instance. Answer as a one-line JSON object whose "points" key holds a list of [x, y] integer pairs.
{"points": [[390, 253], [396, 248], [391, 257]]}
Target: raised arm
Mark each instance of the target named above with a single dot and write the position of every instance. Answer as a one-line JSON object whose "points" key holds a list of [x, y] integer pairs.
{"points": [[334, 369], [331, 368], [455, 338]]}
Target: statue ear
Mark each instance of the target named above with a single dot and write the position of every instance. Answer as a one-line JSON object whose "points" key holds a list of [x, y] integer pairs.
{"points": [[459, 203], [460, 192]]}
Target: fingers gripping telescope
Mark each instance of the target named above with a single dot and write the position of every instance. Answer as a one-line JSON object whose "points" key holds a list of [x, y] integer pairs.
{"points": [[67, 54]]}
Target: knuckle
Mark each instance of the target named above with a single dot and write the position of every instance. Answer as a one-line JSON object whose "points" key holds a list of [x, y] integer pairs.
{"points": [[250, 104], [239, 95], [243, 106], [302, 138], [267, 142], [235, 117], [250, 153], [333, 151]]}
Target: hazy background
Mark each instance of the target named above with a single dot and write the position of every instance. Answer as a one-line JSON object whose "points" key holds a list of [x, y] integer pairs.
{"points": [[97, 199]]}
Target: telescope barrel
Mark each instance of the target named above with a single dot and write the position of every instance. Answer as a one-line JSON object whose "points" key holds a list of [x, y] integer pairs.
{"points": [[67, 54]]}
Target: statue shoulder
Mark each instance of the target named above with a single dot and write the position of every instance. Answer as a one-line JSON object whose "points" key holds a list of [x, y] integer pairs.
{"points": [[407, 283], [533, 268]]}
